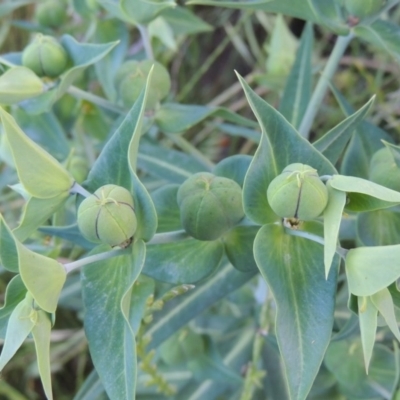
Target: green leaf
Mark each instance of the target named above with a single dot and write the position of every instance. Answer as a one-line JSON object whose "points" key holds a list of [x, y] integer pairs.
{"points": [[43, 277], [41, 336], [107, 326], [371, 269], [332, 219], [19, 83], [239, 247], [233, 167], [178, 118], [330, 14], [184, 22], [297, 92], [40, 173], [8, 248], [185, 261], [20, 324], [364, 195], [280, 146], [383, 34], [142, 12], [345, 360], [378, 228], [384, 303], [293, 269], [332, 144], [36, 212], [368, 315]]}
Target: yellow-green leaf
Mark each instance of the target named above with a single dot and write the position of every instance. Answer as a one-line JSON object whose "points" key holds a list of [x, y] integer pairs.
{"points": [[368, 315]]}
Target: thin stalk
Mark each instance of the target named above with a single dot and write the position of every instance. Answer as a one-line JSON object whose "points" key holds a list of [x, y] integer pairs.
{"points": [[322, 86], [100, 101], [144, 33], [190, 149], [96, 257], [6, 62], [168, 237], [76, 188]]}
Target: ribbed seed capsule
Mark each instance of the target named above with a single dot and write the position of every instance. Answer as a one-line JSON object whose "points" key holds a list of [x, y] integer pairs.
{"points": [[298, 193]]}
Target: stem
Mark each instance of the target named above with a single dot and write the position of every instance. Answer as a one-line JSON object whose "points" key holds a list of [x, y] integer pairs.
{"points": [[77, 188], [168, 237], [100, 101], [144, 33], [96, 257], [6, 62], [323, 83]]}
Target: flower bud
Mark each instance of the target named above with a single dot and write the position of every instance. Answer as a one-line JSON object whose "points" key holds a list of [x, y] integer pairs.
{"points": [[298, 193], [209, 205], [45, 57], [384, 170], [51, 14], [363, 8], [131, 78], [108, 216]]}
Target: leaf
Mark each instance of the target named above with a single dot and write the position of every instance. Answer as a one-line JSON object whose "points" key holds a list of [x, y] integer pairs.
{"points": [[142, 12], [8, 248], [293, 269], [70, 233], [41, 335], [234, 167], [378, 228], [368, 315], [19, 83], [332, 144], [332, 219], [371, 269], [280, 146], [178, 118], [43, 277], [330, 14], [109, 332], [20, 324], [36, 212], [185, 261], [184, 22], [384, 304], [383, 34], [364, 195], [40, 173], [184, 308], [297, 92]]}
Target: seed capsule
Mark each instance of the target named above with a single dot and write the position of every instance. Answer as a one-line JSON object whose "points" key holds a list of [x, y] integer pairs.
{"points": [[384, 170], [298, 193], [108, 216], [363, 8], [209, 205]]}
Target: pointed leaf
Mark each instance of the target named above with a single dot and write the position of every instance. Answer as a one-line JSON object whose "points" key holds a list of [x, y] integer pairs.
{"points": [[109, 332], [8, 248], [297, 92], [368, 315], [384, 303], [332, 219], [184, 22], [185, 261], [40, 173], [293, 269], [332, 144], [142, 12], [364, 195], [19, 83], [280, 146], [234, 167], [41, 336], [330, 14], [20, 324], [43, 277], [395, 150], [371, 269]]}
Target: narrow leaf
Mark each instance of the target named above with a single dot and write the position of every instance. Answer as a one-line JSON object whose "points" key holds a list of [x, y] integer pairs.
{"points": [[8, 248], [332, 219]]}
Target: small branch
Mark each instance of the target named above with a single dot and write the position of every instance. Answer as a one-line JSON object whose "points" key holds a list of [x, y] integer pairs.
{"points": [[168, 237], [76, 188], [144, 33], [96, 257]]}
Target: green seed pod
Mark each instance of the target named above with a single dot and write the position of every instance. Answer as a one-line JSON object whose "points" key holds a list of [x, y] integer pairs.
{"points": [[384, 170], [51, 14], [131, 78], [363, 8], [45, 57], [209, 205], [108, 216], [298, 193]]}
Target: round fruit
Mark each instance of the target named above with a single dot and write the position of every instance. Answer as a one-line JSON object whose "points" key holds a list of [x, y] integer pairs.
{"points": [[108, 216], [209, 205], [298, 193], [384, 170], [51, 14]]}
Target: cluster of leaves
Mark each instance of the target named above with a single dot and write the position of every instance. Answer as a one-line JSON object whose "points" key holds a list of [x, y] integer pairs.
{"points": [[171, 316]]}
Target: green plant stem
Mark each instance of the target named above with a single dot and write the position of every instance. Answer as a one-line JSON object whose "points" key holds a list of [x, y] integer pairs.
{"points": [[168, 237], [76, 188], [190, 149], [101, 102], [96, 257], [6, 62], [322, 86], [144, 33]]}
